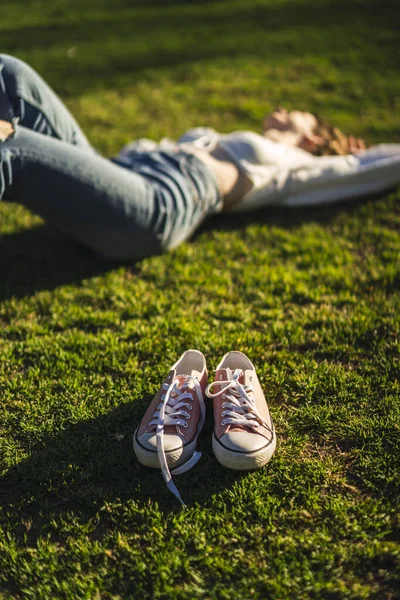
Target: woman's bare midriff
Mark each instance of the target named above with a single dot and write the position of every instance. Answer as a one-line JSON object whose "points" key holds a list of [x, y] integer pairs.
{"points": [[232, 183]]}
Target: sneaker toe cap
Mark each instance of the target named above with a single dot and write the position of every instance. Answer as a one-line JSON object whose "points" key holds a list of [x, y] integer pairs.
{"points": [[172, 442], [243, 441]]}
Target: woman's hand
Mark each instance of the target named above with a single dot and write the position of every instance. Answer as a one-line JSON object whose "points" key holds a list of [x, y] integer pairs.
{"points": [[302, 129], [355, 144]]}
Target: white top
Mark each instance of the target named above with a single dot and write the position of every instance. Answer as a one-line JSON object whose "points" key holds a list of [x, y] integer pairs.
{"points": [[283, 174]]}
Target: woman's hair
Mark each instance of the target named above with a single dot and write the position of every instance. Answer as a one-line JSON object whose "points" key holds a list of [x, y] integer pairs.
{"points": [[335, 142]]}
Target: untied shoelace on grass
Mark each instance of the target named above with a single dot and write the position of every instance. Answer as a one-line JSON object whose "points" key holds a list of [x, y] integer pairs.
{"points": [[171, 411], [239, 407]]}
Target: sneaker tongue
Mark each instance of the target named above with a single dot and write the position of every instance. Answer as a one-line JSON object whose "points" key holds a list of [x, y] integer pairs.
{"points": [[179, 381], [227, 375]]}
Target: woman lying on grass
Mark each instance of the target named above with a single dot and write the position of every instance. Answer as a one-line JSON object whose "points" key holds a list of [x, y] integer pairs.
{"points": [[153, 196]]}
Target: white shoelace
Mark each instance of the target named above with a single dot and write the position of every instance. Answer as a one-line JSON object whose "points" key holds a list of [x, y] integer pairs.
{"points": [[239, 407], [175, 410]]}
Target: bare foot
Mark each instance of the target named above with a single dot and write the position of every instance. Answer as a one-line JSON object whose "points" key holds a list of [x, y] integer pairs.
{"points": [[6, 129]]}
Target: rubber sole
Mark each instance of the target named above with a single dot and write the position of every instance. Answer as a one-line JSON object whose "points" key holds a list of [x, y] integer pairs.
{"points": [[242, 461]]}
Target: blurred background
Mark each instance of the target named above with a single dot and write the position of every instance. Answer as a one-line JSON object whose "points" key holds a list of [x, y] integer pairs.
{"points": [[310, 295], [151, 68]]}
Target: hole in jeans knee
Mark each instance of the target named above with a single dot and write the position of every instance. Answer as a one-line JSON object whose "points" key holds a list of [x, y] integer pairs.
{"points": [[7, 131]]}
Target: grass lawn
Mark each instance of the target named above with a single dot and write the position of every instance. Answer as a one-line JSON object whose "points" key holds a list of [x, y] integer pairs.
{"points": [[312, 296]]}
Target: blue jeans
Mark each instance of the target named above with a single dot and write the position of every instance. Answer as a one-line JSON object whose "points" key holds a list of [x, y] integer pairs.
{"points": [[122, 213]]}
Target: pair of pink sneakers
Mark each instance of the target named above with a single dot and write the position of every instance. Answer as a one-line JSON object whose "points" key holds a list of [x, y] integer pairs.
{"points": [[244, 435]]}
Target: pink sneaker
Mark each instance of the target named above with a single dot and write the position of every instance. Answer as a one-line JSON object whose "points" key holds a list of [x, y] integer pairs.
{"points": [[167, 435], [244, 435]]}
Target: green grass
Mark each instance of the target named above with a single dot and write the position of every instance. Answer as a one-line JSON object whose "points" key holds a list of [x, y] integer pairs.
{"points": [[310, 295]]}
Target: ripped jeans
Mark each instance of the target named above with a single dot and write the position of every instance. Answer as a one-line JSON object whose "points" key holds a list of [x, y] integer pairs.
{"points": [[121, 213]]}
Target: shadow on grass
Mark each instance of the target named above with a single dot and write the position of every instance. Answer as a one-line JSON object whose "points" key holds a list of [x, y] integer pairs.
{"points": [[43, 259], [92, 463], [287, 218]]}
